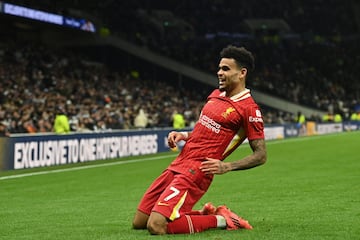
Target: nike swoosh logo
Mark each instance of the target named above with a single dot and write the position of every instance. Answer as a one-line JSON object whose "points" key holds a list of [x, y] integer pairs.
{"points": [[162, 204]]}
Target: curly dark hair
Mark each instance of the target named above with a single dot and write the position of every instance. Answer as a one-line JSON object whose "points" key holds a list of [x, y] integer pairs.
{"points": [[241, 55]]}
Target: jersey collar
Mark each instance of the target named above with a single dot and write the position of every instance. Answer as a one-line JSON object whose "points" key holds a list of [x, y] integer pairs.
{"points": [[238, 97]]}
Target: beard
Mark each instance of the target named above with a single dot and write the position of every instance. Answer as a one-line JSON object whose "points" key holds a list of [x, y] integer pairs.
{"points": [[222, 88]]}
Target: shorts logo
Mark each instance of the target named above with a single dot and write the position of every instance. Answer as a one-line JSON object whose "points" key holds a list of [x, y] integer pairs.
{"points": [[162, 204]]}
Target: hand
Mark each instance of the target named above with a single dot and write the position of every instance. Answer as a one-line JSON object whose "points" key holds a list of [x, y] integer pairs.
{"points": [[175, 137], [214, 166]]}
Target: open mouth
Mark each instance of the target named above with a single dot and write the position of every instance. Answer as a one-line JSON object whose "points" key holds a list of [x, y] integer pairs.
{"points": [[221, 82]]}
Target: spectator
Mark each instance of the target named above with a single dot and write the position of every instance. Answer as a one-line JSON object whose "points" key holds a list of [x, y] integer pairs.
{"points": [[4, 132], [338, 118], [328, 117], [354, 117], [61, 124], [301, 121], [178, 120], [141, 119]]}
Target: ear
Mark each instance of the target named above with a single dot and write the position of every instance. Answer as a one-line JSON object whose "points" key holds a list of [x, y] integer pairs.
{"points": [[243, 73]]}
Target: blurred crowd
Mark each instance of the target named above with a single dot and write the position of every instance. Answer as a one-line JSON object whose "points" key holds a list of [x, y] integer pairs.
{"points": [[36, 83], [315, 63]]}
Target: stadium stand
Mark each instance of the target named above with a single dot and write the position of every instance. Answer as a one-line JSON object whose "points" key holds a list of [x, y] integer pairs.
{"points": [[36, 79], [314, 62]]}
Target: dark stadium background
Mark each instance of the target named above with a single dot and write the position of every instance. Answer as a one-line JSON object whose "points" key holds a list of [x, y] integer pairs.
{"points": [[162, 56], [307, 53]]}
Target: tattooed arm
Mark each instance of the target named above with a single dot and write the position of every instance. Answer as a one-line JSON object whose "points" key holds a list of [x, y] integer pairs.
{"points": [[258, 157]]}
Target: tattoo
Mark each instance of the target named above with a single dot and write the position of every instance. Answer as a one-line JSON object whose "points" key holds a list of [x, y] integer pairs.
{"points": [[223, 168], [258, 157], [258, 145]]}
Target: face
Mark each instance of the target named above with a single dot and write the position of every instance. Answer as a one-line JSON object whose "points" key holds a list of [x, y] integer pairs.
{"points": [[231, 77]]}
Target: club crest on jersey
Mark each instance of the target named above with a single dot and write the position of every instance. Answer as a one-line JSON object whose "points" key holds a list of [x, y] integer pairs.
{"points": [[227, 112]]}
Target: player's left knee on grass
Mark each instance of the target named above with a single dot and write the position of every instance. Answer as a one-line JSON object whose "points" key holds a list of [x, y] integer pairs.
{"points": [[138, 225], [157, 224], [140, 220]]}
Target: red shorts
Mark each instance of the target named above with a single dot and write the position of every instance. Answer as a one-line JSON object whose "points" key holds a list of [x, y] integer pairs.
{"points": [[171, 195]]}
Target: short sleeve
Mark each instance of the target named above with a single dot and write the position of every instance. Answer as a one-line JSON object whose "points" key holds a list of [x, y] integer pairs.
{"points": [[254, 123]]}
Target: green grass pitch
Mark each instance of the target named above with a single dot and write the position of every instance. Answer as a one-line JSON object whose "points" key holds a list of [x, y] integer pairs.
{"points": [[308, 189]]}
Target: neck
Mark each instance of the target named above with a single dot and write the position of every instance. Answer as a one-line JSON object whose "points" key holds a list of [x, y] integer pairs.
{"points": [[235, 91]]}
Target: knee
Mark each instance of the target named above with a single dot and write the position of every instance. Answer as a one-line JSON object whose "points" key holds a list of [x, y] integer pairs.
{"points": [[140, 220], [157, 226], [138, 225], [156, 229]]}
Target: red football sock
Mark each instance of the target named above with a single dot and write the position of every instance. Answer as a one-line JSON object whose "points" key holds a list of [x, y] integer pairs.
{"points": [[192, 224], [193, 212]]}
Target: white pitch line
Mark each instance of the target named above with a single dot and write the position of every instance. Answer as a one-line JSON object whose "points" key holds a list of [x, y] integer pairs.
{"points": [[83, 167]]}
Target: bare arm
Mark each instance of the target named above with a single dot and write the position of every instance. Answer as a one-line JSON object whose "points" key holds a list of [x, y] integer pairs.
{"points": [[258, 157]]}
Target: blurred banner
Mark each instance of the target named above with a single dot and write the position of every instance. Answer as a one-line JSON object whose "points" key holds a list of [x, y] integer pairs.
{"points": [[37, 15], [38, 150], [20, 151]]}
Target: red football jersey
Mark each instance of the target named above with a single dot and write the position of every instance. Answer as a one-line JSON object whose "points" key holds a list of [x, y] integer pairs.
{"points": [[224, 123]]}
